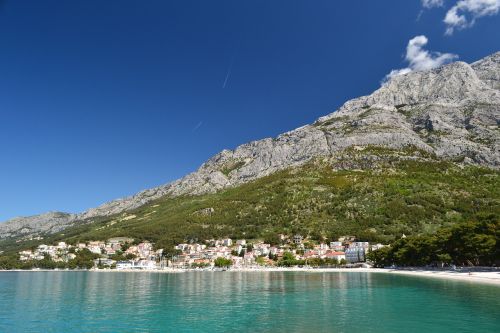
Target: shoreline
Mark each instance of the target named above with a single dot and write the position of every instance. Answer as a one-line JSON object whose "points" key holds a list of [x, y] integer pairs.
{"points": [[486, 277], [491, 276]]}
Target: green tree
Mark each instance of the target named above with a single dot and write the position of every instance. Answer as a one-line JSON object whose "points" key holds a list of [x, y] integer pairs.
{"points": [[381, 257], [272, 238], [84, 259], [223, 262], [468, 243], [288, 256]]}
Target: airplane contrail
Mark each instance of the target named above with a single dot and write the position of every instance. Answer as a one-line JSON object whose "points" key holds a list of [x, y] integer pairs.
{"points": [[228, 74], [197, 126]]}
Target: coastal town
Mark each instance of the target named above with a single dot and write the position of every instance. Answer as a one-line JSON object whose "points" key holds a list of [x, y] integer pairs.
{"points": [[124, 253]]}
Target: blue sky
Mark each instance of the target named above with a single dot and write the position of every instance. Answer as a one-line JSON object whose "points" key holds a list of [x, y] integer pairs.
{"points": [[101, 99]]}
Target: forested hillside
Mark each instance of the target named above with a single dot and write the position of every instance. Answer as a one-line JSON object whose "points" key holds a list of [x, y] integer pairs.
{"points": [[375, 194]]}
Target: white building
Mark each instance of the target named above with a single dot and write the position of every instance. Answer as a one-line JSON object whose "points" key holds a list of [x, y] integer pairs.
{"points": [[62, 245], [335, 255], [297, 239], [360, 244], [377, 246], [145, 264], [25, 255], [124, 265], [95, 249], [355, 254], [337, 246]]}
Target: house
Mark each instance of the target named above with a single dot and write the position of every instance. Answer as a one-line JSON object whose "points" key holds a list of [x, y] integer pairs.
{"points": [[132, 250], [262, 249], [97, 244], [201, 262], [337, 246], [95, 249], [181, 247], [124, 265], [143, 250], [311, 254], [337, 255], [376, 247], [110, 251], [323, 246], [46, 249], [42, 248], [364, 245], [227, 242], [62, 245], [25, 255], [355, 254], [297, 239], [145, 264]]}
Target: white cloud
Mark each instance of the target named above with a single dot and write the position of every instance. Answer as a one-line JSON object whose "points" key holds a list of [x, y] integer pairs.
{"points": [[420, 59], [429, 4], [432, 3], [465, 12]]}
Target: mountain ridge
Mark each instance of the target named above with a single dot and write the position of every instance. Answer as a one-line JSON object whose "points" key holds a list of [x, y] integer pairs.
{"points": [[452, 112]]}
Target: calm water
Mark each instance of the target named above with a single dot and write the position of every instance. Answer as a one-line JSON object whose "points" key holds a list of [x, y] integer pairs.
{"points": [[232, 301]]}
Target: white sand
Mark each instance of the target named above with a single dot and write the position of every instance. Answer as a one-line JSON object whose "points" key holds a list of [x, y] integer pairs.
{"points": [[484, 276], [490, 276]]}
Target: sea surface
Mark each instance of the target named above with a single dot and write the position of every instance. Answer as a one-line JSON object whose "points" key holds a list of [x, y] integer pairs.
{"points": [[243, 302]]}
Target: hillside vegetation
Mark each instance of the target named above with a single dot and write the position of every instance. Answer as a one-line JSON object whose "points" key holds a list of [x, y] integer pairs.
{"points": [[449, 114], [464, 244], [376, 195]]}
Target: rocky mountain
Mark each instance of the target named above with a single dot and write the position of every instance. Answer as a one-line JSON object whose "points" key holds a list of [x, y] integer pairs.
{"points": [[451, 112], [50, 222]]}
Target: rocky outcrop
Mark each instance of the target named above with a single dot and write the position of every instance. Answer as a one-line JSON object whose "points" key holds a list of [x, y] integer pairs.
{"points": [[45, 223], [488, 70], [452, 112]]}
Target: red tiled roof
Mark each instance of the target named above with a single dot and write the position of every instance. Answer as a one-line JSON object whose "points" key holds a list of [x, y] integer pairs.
{"points": [[334, 253]]}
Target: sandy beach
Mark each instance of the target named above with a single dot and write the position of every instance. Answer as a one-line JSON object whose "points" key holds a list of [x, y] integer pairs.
{"points": [[481, 276], [490, 276], [473, 275]]}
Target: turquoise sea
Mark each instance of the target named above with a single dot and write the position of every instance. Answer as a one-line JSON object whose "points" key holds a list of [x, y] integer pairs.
{"points": [[243, 302]]}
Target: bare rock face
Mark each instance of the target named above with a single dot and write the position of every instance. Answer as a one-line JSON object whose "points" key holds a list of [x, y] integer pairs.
{"points": [[45, 223], [488, 70], [452, 112]]}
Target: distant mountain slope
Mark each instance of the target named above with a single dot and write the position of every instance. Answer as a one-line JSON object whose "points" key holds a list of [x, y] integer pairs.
{"points": [[374, 193], [452, 113]]}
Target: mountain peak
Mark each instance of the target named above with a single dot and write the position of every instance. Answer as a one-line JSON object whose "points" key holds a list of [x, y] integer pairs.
{"points": [[451, 112], [455, 83], [488, 70]]}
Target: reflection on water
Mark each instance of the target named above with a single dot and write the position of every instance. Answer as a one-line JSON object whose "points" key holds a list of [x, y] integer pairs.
{"points": [[244, 301]]}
